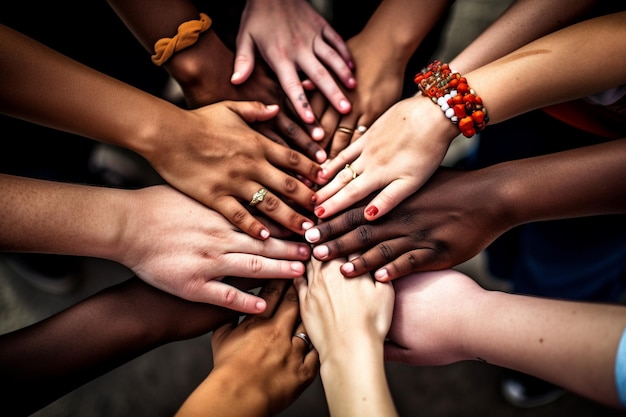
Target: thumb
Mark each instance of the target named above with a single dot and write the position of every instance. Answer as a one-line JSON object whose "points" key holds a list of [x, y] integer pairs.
{"points": [[254, 111], [244, 61]]}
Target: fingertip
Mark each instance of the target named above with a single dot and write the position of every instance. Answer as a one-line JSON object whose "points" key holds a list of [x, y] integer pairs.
{"points": [[382, 275], [260, 306], [264, 234], [317, 133], [344, 106]]}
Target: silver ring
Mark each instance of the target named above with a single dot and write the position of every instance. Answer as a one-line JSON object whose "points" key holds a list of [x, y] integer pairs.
{"points": [[351, 168], [361, 129], [306, 339], [258, 197]]}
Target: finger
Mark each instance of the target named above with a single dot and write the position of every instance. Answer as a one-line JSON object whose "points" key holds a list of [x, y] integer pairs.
{"points": [[227, 296], [244, 60], [290, 82], [359, 240], [273, 207], [258, 267], [346, 189], [390, 196], [293, 161], [336, 227], [273, 248], [302, 340], [343, 135], [423, 259], [377, 256], [300, 138], [240, 217], [326, 84], [361, 127], [339, 45], [346, 156], [272, 293], [253, 111]]}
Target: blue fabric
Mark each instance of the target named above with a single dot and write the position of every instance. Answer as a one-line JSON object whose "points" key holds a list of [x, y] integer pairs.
{"points": [[620, 369]]}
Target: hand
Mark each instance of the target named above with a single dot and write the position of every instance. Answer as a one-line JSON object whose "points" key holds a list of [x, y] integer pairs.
{"points": [[208, 83], [260, 367], [178, 245], [223, 163], [429, 316], [398, 153], [340, 314], [300, 39], [379, 85], [420, 234]]}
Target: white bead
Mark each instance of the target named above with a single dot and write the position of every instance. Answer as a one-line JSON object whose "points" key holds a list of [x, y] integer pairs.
{"points": [[450, 113]]}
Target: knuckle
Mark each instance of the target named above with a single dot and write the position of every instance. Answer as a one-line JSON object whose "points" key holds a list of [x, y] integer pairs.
{"points": [[364, 234]]}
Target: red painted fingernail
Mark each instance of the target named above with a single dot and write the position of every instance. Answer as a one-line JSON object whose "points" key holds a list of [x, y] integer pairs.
{"points": [[319, 212], [371, 211]]}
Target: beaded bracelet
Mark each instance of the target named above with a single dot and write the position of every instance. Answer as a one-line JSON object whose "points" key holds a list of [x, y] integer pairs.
{"points": [[188, 33], [450, 91]]}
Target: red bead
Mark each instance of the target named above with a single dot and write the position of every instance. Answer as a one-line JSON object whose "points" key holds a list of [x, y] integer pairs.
{"points": [[459, 111], [463, 88], [478, 116]]}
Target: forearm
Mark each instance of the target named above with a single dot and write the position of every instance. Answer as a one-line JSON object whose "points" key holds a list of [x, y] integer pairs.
{"points": [[55, 356], [523, 22], [571, 344], [586, 181], [223, 394], [546, 71], [356, 384], [44, 87], [207, 59], [53, 217], [397, 28]]}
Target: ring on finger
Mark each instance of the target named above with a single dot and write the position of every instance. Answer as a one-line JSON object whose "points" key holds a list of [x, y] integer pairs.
{"points": [[346, 130], [258, 197], [351, 168], [306, 339]]}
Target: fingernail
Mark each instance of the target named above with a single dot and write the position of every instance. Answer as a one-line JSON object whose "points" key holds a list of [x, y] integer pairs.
{"points": [[308, 115], [318, 132], [297, 267], [347, 268], [304, 251], [260, 306], [235, 76], [321, 252], [344, 105], [320, 156], [312, 235], [351, 82], [307, 225], [381, 274], [371, 211], [265, 234], [272, 107], [319, 212]]}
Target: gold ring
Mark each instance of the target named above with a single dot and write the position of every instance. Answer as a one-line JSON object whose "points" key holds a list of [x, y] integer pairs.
{"points": [[361, 129], [345, 130], [354, 174], [258, 197]]}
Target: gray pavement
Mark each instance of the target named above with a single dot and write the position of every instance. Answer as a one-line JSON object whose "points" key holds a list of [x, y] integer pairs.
{"points": [[155, 384]]}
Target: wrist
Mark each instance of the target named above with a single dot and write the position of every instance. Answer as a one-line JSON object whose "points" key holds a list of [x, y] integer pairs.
{"points": [[203, 69]]}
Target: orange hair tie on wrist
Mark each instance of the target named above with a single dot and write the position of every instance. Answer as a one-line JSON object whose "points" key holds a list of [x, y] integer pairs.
{"points": [[188, 33]]}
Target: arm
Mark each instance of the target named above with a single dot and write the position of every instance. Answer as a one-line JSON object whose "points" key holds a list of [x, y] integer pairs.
{"points": [[422, 233], [381, 53], [347, 321], [416, 133], [204, 70], [169, 240], [57, 355], [522, 22], [260, 368], [444, 317], [213, 145]]}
